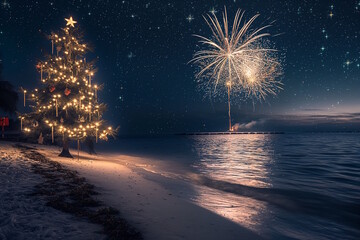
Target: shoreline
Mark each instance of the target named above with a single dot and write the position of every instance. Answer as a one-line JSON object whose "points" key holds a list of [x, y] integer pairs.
{"points": [[64, 190], [153, 201], [150, 201]]}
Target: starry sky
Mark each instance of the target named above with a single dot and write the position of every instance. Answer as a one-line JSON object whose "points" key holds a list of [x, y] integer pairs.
{"points": [[143, 49]]}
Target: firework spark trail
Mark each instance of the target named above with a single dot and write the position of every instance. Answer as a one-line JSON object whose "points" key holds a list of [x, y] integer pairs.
{"points": [[233, 55], [236, 60], [260, 76]]}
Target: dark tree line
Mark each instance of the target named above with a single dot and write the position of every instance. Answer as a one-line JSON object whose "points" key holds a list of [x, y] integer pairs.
{"points": [[8, 96]]}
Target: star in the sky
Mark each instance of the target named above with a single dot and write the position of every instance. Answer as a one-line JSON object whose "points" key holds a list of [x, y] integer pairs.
{"points": [[213, 11], [6, 4], [70, 21], [347, 63], [190, 18], [130, 55], [331, 14]]}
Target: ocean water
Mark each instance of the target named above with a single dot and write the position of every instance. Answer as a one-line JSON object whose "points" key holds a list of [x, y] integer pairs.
{"points": [[288, 186]]}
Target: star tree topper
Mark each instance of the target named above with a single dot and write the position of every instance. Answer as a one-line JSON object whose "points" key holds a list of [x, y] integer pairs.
{"points": [[70, 22]]}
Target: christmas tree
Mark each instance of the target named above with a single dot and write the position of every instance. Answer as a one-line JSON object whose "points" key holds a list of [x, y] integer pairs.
{"points": [[67, 104]]}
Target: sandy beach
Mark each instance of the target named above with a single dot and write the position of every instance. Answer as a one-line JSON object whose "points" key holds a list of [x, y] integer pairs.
{"points": [[152, 202], [26, 216]]}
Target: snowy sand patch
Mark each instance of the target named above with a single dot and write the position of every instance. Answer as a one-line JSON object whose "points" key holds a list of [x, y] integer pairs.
{"points": [[23, 216], [40, 199]]}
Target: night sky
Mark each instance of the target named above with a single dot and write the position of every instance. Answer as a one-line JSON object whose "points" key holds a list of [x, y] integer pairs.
{"points": [[143, 49]]}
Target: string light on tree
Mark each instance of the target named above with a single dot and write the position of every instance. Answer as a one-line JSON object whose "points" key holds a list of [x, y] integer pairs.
{"points": [[21, 122], [65, 104], [96, 88], [25, 97]]}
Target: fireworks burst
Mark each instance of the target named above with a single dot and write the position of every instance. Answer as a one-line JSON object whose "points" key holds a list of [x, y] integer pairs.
{"points": [[260, 76], [236, 60]]}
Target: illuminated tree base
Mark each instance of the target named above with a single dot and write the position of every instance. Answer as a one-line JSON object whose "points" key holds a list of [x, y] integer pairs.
{"points": [[90, 145], [65, 151]]}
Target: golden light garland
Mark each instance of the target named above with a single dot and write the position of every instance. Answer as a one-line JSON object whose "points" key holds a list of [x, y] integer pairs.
{"points": [[67, 70]]}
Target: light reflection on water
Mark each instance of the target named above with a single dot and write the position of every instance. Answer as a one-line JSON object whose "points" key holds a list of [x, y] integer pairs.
{"points": [[290, 186], [240, 160], [237, 160], [243, 210], [297, 186]]}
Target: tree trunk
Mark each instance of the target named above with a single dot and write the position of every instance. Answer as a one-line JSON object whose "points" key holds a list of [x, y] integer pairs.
{"points": [[90, 145], [65, 151]]}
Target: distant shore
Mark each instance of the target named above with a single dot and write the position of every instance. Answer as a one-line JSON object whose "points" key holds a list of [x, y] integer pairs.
{"points": [[227, 133]]}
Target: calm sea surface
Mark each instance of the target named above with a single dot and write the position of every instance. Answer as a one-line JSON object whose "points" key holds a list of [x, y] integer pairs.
{"points": [[289, 186]]}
